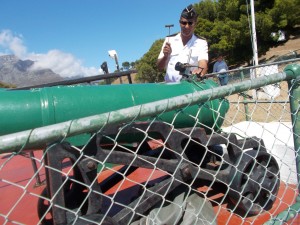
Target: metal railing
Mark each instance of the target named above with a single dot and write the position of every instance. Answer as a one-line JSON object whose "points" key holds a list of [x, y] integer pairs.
{"points": [[82, 80]]}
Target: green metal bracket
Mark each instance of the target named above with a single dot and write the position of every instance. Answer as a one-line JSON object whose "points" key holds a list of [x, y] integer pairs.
{"points": [[292, 70]]}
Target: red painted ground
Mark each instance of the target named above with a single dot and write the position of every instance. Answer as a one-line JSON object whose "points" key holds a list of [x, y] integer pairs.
{"points": [[19, 195]]}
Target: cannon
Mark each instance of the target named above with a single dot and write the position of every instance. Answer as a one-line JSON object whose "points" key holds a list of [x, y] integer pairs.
{"points": [[187, 153], [27, 109]]}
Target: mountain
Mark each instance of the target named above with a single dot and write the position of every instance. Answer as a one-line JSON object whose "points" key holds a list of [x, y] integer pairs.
{"points": [[19, 73]]}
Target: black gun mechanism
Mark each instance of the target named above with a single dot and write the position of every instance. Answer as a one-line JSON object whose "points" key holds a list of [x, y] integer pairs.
{"points": [[182, 68]]}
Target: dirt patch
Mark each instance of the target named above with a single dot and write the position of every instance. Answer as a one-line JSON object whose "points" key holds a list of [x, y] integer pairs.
{"points": [[291, 45], [266, 111], [263, 110]]}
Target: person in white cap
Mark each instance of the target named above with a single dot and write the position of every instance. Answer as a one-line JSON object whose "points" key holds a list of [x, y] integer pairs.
{"points": [[184, 47]]}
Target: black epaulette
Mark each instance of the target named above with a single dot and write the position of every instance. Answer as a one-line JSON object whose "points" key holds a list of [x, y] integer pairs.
{"points": [[172, 35], [198, 36]]}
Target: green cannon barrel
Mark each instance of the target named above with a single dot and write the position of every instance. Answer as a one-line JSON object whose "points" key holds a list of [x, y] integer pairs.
{"points": [[27, 109]]}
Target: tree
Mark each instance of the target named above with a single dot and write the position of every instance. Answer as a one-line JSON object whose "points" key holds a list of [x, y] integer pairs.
{"points": [[132, 64], [4, 85], [126, 65], [228, 31], [285, 14], [146, 66]]}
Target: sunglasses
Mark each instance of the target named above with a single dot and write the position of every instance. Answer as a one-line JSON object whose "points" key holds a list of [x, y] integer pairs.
{"points": [[184, 23]]}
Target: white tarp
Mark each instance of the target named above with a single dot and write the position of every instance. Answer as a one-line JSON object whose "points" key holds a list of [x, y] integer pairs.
{"points": [[270, 91]]}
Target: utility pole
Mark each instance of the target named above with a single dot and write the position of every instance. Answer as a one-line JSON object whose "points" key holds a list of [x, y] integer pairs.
{"points": [[254, 40]]}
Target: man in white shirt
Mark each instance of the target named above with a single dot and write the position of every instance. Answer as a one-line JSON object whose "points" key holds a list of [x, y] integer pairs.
{"points": [[184, 47]]}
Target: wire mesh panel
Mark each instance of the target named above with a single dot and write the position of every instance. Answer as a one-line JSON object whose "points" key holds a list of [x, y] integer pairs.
{"points": [[223, 156]]}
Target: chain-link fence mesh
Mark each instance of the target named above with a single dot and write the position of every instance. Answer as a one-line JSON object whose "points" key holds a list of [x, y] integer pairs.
{"points": [[212, 155], [264, 104]]}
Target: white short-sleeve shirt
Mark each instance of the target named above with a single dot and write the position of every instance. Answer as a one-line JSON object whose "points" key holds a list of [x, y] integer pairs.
{"points": [[196, 49]]}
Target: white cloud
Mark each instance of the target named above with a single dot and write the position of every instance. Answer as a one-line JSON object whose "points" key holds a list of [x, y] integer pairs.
{"points": [[12, 44], [62, 63]]}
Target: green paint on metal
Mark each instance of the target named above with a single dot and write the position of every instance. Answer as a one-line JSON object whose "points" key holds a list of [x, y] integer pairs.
{"points": [[293, 75], [294, 104], [28, 109], [59, 104], [163, 98], [285, 215]]}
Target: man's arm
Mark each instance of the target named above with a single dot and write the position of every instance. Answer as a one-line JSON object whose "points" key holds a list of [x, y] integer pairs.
{"points": [[203, 64], [202, 70], [162, 62], [166, 51], [202, 49]]}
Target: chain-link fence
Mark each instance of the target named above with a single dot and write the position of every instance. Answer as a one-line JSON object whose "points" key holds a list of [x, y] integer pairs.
{"points": [[265, 104], [186, 153]]}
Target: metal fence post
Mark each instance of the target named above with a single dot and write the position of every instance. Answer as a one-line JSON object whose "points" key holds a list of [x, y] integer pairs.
{"points": [[245, 100], [294, 89]]}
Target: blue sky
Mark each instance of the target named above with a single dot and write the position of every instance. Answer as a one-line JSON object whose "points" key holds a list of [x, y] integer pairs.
{"points": [[75, 36]]}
